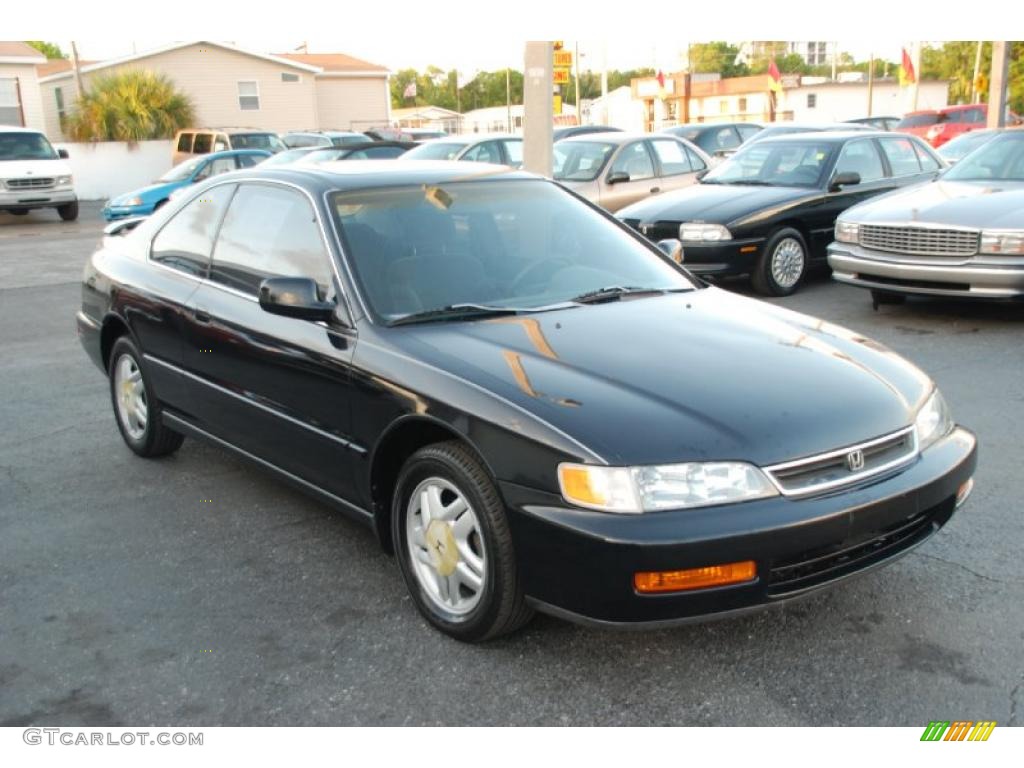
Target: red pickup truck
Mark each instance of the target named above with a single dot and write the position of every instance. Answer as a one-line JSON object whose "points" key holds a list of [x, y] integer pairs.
{"points": [[937, 126]]}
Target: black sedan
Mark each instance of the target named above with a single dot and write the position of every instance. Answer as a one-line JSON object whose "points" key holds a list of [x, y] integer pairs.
{"points": [[448, 353], [770, 210], [719, 140]]}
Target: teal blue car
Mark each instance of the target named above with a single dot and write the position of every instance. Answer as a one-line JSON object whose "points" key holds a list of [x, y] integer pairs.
{"points": [[142, 202]]}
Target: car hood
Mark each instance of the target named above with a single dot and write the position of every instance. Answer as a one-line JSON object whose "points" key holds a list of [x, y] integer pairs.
{"points": [[717, 377], [954, 203], [150, 194], [16, 169], [714, 203]]}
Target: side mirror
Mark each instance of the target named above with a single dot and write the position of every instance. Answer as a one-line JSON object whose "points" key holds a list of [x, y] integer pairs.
{"points": [[294, 297], [62, 154], [672, 248], [617, 176], [840, 180]]}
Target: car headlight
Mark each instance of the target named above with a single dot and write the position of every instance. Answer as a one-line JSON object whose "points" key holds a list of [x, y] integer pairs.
{"points": [[847, 232], [933, 421], [131, 201], [690, 231], [64, 180], [633, 490], [1004, 243]]}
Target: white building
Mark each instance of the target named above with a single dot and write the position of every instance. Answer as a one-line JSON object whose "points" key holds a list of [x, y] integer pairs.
{"points": [[19, 89], [813, 52], [829, 101], [502, 119]]}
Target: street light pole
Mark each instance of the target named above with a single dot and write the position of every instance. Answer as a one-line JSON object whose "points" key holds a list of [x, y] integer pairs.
{"points": [[579, 119], [997, 85]]}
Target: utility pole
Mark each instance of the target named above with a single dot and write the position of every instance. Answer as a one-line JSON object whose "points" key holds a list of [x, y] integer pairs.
{"points": [[998, 85], [871, 80], [508, 97], [975, 95], [604, 83], [78, 74], [914, 86], [835, 59], [579, 120], [538, 108]]}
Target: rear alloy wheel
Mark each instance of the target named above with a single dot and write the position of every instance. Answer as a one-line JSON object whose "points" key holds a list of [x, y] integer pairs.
{"points": [[136, 410], [68, 211], [454, 547], [782, 265]]}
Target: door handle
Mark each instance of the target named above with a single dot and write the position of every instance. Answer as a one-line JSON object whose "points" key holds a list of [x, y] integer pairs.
{"points": [[655, 190], [201, 315]]}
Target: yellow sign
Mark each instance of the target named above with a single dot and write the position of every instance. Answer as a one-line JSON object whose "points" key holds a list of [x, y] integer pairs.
{"points": [[561, 76], [562, 58], [558, 45], [557, 105]]}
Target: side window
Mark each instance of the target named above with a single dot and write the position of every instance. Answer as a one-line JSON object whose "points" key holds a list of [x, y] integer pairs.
{"points": [[901, 155], [747, 131], [635, 160], [695, 160], [185, 142], [248, 161], [514, 151], [860, 157], [928, 162], [726, 138], [380, 152], [672, 157], [220, 143], [218, 166], [185, 242], [269, 231], [203, 143], [485, 152]]}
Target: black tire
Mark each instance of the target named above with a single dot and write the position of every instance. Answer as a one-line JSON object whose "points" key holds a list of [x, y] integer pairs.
{"points": [[501, 608], [778, 247], [68, 211], [879, 298], [155, 438]]}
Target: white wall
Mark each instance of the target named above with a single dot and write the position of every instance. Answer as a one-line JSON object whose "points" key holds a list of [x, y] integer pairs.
{"points": [[107, 168], [31, 105], [847, 101]]}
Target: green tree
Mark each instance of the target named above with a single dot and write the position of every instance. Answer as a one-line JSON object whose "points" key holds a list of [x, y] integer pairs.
{"points": [[954, 61], [130, 106], [49, 50], [717, 56]]}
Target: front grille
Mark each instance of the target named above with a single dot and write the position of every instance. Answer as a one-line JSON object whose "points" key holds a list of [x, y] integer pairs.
{"points": [[43, 182], [813, 567], [845, 466], [919, 241]]}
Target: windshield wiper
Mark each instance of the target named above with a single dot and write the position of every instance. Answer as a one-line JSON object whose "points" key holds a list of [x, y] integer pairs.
{"points": [[454, 312], [616, 292]]}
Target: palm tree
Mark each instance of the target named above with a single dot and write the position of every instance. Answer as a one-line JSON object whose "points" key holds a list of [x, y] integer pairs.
{"points": [[130, 106]]}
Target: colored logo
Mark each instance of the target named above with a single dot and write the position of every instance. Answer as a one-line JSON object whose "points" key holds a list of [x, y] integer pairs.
{"points": [[959, 730]]}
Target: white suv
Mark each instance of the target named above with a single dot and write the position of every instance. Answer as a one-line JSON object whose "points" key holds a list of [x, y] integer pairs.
{"points": [[34, 175]]}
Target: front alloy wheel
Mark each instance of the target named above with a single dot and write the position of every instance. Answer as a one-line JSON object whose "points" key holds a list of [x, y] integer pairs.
{"points": [[453, 544], [782, 264]]}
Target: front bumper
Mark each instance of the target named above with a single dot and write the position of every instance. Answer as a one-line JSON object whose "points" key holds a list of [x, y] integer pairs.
{"points": [[580, 564], [27, 199], [991, 277], [731, 257]]}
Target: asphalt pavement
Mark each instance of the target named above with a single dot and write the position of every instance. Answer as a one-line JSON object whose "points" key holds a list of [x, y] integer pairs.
{"points": [[197, 590]]}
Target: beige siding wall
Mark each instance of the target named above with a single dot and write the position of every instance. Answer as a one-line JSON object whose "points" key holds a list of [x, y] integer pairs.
{"points": [[355, 103], [210, 75], [48, 101], [30, 103]]}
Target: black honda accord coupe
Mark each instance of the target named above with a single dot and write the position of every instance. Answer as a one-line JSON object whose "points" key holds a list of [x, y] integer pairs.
{"points": [[531, 405], [770, 210]]}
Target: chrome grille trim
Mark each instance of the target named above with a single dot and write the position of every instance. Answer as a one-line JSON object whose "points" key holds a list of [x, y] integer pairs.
{"points": [[785, 471], [42, 182], [918, 240]]}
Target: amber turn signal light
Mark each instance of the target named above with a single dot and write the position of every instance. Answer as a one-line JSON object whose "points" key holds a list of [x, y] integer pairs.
{"points": [[695, 578]]}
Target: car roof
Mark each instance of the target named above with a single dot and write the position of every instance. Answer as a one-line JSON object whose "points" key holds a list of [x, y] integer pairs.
{"points": [[833, 136], [703, 126], [470, 138], [615, 137], [18, 129], [369, 174], [233, 152], [229, 129]]}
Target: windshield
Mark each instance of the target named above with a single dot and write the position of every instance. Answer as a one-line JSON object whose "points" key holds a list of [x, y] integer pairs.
{"points": [[435, 150], [776, 163], [357, 138], [25, 146], [1002, 159], [963, 145], [288, 156], [524, 244], [581, 160], [324, 155], [183, 171], [257, 141], [916, 121]]}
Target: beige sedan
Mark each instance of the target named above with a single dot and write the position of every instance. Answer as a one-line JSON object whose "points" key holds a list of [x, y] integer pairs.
{"points": [[616, 169]]}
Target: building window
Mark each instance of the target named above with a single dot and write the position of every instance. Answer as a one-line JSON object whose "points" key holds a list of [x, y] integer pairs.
{"points": [[723, 106], [743, 104], [10, 105], [58, 94], [812, 100], [289, 77], [248, 95]]}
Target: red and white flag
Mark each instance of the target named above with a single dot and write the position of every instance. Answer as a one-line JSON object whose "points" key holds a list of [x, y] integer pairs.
{"points": [[410, 91]]}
